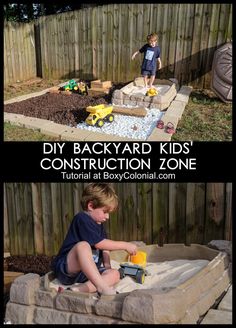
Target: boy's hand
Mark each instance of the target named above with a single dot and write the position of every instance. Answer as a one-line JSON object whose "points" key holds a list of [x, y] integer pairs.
{"points": [[131, 248]]}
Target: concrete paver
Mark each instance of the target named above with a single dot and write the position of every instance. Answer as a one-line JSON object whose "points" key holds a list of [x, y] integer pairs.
{"points": [[217, 317], [226, 303]]}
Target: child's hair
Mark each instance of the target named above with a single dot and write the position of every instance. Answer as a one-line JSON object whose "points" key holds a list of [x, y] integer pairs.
{"points": [[152, 37], [101, 194]]}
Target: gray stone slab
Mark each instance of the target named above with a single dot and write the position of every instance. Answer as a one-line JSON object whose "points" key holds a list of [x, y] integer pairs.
{"points": [[176, 108], [28, 96], [159, 135], [54, 129], [75, 134], [226, 303], [217, 317]]}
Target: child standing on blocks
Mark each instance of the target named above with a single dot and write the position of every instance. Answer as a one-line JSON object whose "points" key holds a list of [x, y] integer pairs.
{"points": [[86, 246], [151, 56]]}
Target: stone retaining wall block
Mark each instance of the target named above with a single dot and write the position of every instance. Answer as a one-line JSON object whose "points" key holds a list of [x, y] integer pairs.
{"points": [[23, 289]]}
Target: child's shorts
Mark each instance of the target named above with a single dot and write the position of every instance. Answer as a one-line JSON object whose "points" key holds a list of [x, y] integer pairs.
{"points": [[148, 72], [70, 279]]}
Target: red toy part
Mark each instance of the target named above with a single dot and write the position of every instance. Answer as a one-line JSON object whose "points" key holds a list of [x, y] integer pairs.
{"points": [[170, 128], [160, 124]]}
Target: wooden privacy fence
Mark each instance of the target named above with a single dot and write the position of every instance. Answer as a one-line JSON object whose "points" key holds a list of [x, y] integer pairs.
{"points": [[37, 215], [98, 42]]}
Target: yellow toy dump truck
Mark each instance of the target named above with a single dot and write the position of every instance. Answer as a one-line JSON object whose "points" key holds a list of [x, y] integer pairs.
{"points": [[99, 114]]}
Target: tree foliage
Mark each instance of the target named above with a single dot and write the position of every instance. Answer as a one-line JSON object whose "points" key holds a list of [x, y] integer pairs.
{"points": [[26, 12]]}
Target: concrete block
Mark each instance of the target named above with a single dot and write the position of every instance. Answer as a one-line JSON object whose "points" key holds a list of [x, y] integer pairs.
{"points": [[73, 303], [191, 316], [185, 90], [75, 134], [54, 129], [15, 119], [45, 298], [226, 303], [23, 289], [100, 84], [166, 118], [24, 97], [217, 317], [117, 94], [109, 309], [85, 319], [139, 82], [116, 101], [149, 307], [50, 316], [159, 135], [129, 102], [176, 108], [34, 123], [19, 314]]}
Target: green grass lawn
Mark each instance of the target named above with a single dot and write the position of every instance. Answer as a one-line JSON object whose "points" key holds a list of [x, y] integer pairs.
{"points": [[17, 133], [205, 119]]}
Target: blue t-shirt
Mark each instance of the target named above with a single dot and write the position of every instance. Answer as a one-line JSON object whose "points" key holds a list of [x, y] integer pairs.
{"points": [[83, 228], [150, 56]]}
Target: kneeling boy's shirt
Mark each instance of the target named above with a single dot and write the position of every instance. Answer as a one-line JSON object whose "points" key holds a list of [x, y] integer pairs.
{"points": [[83, 228]]}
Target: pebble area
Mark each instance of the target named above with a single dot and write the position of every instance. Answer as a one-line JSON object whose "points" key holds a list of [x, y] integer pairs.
{"points": [[129, 126]]}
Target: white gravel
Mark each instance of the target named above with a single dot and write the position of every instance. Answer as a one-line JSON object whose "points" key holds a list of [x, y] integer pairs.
{"points": [[128, 126]]}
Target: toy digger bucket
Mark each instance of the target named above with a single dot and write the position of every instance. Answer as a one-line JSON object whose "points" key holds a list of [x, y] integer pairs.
{"points": [[139, 258]]}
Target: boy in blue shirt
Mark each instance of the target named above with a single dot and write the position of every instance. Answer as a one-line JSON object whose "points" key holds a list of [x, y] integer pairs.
{"points": [[151, 57], [86, 246]]}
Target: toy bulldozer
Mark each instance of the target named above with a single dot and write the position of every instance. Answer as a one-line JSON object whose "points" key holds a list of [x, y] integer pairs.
{"points": [[99, 114], [81, 87], [135, 268]]}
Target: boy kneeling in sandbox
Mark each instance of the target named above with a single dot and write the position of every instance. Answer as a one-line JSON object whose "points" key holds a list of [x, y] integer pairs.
{"points": [[86, 246]]}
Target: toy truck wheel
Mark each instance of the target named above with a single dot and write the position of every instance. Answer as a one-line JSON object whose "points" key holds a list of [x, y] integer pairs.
{"points": [[140, 277], [100, 123], [122, 273], [110, 118]]}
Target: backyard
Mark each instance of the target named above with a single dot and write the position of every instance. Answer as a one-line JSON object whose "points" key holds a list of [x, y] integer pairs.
{"points": [[206, 117]]}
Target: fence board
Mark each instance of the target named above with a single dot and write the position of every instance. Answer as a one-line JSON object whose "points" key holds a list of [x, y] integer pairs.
{"points": [[177, 213], [214, 225], [6, 222], [160, 213], [154, 213], [47, 218], [195, 213], [98, 42], [37, 217], [228, 212]]}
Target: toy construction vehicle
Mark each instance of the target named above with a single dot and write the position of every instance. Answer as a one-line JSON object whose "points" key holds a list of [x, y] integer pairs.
{"points": [[71, 85], [152, 92], [80, 87], [99, 114], [133, 270]]}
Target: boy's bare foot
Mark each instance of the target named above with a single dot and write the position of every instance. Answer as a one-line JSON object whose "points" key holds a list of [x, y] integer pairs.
{"points": [[107, 291]]}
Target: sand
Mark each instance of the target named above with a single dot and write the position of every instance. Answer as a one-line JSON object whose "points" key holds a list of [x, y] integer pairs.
{"points": [[161, 276]]}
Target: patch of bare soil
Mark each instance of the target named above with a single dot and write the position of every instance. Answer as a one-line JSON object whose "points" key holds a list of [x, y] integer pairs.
{"points": [[60, 108]]}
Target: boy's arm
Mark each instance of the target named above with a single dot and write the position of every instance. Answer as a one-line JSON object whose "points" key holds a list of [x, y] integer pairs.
{"points": [[111, 245], [135, 54], [159, 63], [106, 259]]}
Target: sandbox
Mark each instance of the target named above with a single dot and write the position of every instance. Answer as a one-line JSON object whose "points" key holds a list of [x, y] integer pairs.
{"points": [[134, 94], [32, 300]]}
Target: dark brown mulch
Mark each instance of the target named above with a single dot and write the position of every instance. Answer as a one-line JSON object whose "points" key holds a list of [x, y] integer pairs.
{"points": [[40, 264], [60, 108]]}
